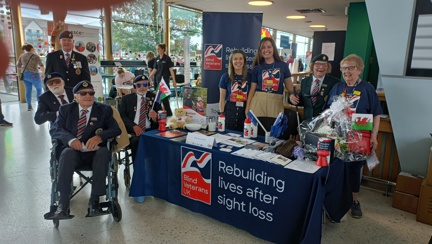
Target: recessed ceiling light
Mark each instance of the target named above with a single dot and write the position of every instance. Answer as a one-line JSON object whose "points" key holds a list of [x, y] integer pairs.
{"points": [[317, 26], [296, 17], [261, 3]]}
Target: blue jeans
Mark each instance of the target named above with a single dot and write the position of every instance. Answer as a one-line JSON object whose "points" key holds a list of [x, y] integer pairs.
{"points": [[32, 79]]}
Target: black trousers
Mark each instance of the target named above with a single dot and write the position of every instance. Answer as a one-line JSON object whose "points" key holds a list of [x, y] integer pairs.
{"points": [[71, 159]]}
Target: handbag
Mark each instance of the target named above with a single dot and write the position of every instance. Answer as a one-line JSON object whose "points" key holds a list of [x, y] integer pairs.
{"points": [[287, 148], [22, 73]]}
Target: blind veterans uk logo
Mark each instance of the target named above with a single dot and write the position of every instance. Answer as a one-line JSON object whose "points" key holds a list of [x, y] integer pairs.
{"points": [[196, 174], [213, 57]]}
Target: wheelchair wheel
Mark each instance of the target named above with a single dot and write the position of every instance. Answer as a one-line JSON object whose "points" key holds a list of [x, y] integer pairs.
{"points": [[116, 210], [56, 223], [127, 177]]}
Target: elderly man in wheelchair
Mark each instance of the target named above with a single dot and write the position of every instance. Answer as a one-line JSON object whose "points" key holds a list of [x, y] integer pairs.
{"points": [[83, 128]]}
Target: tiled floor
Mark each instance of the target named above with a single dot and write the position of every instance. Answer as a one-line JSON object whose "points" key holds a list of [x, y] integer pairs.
{"points": [[25, 197]]}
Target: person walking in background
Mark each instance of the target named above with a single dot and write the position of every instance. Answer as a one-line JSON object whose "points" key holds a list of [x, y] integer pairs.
{"points": [[300, 65], [364, 100], [50, 101], [150, 61], [73, 66], [3, 122], [233, 88], [163, 68], [315, 89], [29, 63], [269, 74]]}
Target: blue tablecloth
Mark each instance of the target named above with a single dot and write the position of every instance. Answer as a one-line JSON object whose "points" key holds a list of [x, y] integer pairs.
{"points": [[267, 200]]}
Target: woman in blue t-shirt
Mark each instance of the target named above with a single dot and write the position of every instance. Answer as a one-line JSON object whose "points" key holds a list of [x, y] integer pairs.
{"points": [[269, 75], [234, 86], [363, 99]]}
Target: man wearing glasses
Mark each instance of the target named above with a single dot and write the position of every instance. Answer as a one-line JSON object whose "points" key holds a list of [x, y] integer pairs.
{"points": [[50, 101], [83, 128], [315, 88], [138, 111]]}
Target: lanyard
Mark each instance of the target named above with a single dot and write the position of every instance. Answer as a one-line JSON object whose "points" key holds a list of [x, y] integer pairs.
{"points": [[344, 94]]}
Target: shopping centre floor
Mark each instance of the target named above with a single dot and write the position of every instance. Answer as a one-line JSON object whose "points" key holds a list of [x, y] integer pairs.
{"points": [[25, 197]]}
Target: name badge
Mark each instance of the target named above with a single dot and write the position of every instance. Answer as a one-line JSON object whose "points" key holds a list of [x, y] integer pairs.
{"points": [[93, 119], [239, 104]]}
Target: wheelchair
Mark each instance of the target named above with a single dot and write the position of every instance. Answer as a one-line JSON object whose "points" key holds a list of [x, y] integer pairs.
{"points": [[111, 206], [124, 157]]}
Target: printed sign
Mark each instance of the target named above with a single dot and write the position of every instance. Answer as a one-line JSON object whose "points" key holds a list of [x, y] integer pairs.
{"points": [[213, 57], [196, 174]]}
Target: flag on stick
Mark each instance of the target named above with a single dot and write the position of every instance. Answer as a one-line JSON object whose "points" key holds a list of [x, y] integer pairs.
{"points": [[162, 91], [255, 120]]}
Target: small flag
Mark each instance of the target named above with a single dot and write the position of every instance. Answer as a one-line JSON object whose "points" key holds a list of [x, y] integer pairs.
{"points": [[162, 91], [253, 118]]}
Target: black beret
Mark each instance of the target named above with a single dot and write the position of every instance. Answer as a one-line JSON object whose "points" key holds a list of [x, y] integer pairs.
{"points": [[82, 85], [66, 34], [140, 78], [53, 75], [320, 57]]}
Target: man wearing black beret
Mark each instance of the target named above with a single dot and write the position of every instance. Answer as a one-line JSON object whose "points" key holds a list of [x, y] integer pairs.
{"points": [[83, 128], [138, 111], [315, 88], [72, 65], [50, 101]]}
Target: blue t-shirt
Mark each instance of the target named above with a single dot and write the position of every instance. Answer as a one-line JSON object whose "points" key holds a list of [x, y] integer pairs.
{"points": [[363, 97], [270, 77], [235, 91]]}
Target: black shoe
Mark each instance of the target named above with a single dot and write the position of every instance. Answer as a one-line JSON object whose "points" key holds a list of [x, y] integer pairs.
{"points": [[5, 123], [356, 211], [61, 213], [94, 209]]}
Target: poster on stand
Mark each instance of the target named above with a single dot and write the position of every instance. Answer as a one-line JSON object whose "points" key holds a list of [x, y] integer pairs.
{"points": [[86, 42], [195, 104]]}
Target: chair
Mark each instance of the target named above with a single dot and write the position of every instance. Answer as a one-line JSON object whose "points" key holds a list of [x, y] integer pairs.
{"points": [[111, 206]]}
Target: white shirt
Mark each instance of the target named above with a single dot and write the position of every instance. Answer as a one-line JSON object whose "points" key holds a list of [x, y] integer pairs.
{"points": [[64, 97], [128, 77], [137, 114]]}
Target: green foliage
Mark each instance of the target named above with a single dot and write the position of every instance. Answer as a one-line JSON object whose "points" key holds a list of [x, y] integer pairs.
{"points": [[138, 27]]}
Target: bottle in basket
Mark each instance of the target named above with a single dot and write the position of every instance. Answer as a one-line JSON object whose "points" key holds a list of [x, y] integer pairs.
{"points": [[221, 123]]}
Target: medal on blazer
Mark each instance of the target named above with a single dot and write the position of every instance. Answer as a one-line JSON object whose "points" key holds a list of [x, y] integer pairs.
{"points": [[78, 71]]}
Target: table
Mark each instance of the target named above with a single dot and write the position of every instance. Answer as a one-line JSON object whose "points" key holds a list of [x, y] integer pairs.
{"points": [[269, 201]]}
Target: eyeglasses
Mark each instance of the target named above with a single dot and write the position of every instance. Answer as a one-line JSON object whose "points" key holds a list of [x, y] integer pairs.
{"points": [[84, 93], [350, 68], [320, 64], [54, 81], [144, 84]]}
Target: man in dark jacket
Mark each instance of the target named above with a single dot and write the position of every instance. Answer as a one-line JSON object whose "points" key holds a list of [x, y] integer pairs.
{"points": [[83, 128], [138, 111], [315, 88], [50, 101], [73, 66]]}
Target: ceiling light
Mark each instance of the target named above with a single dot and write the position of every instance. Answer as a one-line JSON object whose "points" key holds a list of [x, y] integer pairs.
{"points": [[260, 3], [317, 26], [296, 17]]}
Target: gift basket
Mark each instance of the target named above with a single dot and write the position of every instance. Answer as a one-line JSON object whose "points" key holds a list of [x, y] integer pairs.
{"points": [[350, 137]]}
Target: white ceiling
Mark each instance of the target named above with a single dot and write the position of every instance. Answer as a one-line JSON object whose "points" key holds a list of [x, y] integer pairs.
{"points": [[274, 16]]}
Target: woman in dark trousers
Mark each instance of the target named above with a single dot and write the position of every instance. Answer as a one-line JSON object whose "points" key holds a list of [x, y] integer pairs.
{"points": [[234, 86], [163, 68]]}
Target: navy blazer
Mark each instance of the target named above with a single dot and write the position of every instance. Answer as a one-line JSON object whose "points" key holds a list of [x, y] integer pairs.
{"points": [[128, 109], [312, 110], [55, 62], [101, 122], [48, 105]]}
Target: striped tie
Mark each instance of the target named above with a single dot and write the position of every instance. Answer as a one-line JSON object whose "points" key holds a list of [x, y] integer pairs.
{"points": [[315, 91], [82, 123], [63, 101], [143, 111], [67, 59]]}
